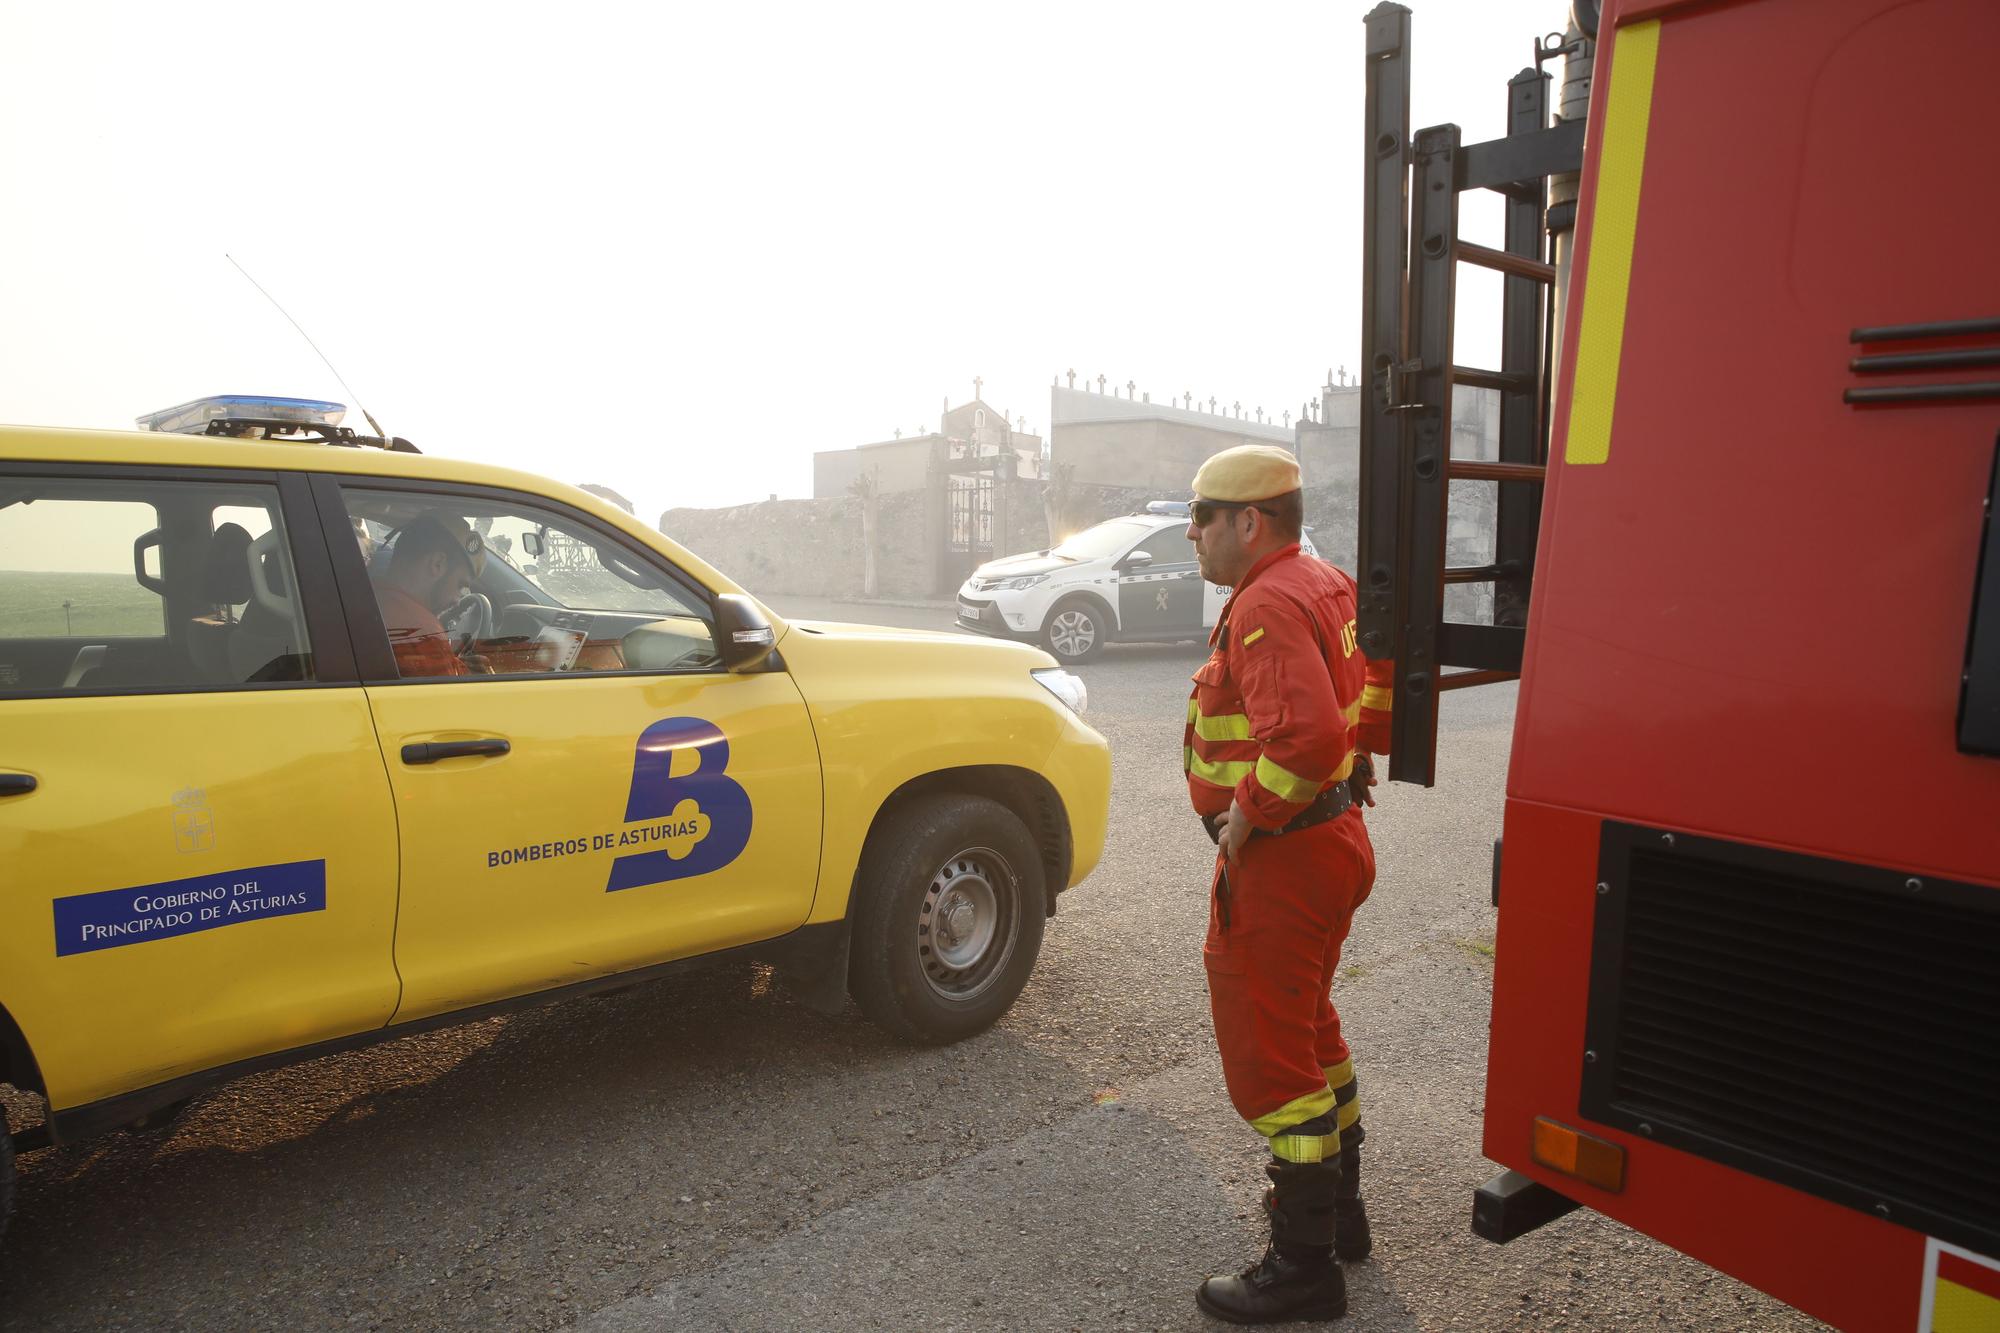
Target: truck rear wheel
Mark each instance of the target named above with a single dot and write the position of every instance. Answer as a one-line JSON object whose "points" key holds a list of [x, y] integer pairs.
{"points": [[947, 918]]}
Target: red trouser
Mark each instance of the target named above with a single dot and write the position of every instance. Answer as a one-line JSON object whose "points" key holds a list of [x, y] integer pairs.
{"points": [[1289, 902]]}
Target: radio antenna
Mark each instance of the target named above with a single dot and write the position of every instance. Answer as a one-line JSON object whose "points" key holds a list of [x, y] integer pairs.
{"points": [[366, 416]]}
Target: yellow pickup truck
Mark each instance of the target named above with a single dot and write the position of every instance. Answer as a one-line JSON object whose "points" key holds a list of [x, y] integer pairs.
{"points": [[306, 744]]}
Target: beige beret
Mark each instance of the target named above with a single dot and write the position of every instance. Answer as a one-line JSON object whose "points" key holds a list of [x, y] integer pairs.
{"points": [[1248, 472]]}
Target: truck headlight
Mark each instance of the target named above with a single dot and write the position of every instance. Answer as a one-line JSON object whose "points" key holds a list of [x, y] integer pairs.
{"points": [[1025, 581], [1065, 686]]}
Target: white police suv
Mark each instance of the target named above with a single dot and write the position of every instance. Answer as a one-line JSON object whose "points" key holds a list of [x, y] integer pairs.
{"points": [[1128, 579]]}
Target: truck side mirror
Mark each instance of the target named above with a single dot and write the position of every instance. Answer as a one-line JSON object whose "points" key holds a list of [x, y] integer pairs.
{"points": [[743, 637]]}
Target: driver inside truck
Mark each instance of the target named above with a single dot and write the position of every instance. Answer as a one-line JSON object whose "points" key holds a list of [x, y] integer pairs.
{"points": [[430, 569]]}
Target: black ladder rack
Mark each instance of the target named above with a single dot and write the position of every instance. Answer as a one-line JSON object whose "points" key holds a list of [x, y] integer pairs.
{"points": [[1410, 255]]}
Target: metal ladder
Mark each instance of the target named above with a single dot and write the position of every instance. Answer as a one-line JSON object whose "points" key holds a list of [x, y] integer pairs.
{"points": [[1411, 252]]}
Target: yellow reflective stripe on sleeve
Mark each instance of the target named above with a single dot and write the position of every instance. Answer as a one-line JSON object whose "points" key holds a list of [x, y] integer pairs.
{"points": [[1283, 782], [1614, 222], [1218, 772], [1252, 637], [1377, 697], [1341, 1074], [1222, 727], [1194, 709], [1352, 713], [1294, 1112], [1305, 1147]]}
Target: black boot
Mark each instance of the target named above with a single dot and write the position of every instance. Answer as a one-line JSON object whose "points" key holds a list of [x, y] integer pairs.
{"points": [[1350, 1219], [1297, 1277]]}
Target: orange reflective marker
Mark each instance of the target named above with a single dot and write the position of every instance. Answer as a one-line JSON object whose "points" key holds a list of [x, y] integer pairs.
{"points": [[1594, 1161]]}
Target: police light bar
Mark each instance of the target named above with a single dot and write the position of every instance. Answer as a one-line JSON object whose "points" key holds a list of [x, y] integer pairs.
{"points": [[1168, 508], [193, 418]]}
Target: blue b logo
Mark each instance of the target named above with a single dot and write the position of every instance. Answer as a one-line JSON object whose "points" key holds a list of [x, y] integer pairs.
{"points": [[707, 795]]}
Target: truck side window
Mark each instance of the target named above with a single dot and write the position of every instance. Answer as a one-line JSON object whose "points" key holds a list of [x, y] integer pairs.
{"points": [[110, 584], [469, 586]]}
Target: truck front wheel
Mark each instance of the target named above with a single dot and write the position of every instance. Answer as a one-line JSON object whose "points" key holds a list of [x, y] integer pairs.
{"points": [[947, 918]]}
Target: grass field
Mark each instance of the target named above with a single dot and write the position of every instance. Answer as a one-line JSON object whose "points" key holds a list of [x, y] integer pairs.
{"points": [[32, 606]]}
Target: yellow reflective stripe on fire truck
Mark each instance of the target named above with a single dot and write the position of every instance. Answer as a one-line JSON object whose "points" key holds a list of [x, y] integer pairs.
{"points": [[1377, 697], [1217, 772], [1614, 221], [1281, 781]]}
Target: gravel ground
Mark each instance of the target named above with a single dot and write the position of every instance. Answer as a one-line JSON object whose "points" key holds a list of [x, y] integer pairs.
{"points": [[705, 1152]]}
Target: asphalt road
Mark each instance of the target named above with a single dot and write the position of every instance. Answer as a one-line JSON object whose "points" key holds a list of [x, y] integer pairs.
{"points": [[705, 1152]]}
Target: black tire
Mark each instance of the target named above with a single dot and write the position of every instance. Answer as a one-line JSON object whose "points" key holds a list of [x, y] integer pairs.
{"points": [[963, 858], [1075, 629]]}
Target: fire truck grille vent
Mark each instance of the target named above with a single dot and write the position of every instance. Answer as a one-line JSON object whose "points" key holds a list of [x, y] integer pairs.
{"points": [[1824, 1025]]}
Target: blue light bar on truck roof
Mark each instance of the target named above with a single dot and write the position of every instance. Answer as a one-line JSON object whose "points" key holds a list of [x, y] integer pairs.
{"points": [[193, 418]]}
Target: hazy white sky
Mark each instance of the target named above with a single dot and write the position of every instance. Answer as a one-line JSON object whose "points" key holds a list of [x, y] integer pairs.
{"points": [[676, 248]]}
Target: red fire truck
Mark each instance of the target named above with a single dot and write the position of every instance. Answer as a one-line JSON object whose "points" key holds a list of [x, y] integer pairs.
{"points": [[1747, 986]]}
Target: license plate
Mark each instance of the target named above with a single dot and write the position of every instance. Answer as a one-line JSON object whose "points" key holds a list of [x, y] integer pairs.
{"points": [[966, 611]]}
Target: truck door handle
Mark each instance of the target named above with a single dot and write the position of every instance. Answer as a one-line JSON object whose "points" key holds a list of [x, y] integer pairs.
{"points": [[429, 752], [16, 784]]}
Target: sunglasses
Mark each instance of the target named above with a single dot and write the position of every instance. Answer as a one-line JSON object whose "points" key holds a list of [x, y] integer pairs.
{"points": [[1203, 512]]}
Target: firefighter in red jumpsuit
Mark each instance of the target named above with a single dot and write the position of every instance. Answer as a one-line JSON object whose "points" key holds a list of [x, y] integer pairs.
{"points": [[1279, 727]]}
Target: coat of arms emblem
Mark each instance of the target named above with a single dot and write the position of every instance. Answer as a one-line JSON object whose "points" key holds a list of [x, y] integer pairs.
{"points": [[194, 822]]}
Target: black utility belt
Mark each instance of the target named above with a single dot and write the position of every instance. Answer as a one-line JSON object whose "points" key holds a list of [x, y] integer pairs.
{"points": [[1331, 803]]}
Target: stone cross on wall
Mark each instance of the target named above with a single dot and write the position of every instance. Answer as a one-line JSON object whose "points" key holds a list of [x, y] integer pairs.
{"points": [[1343, 376], [899, 432], [1237, 408], [1187, 399], [977, 385], [1072, 379], [1131, 387], [1288, 416], [1100, 385], [1260, 414], [1211, 404]]}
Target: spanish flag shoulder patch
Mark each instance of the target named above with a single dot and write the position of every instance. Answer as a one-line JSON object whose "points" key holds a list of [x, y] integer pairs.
{"points": [[1253, 636]]}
